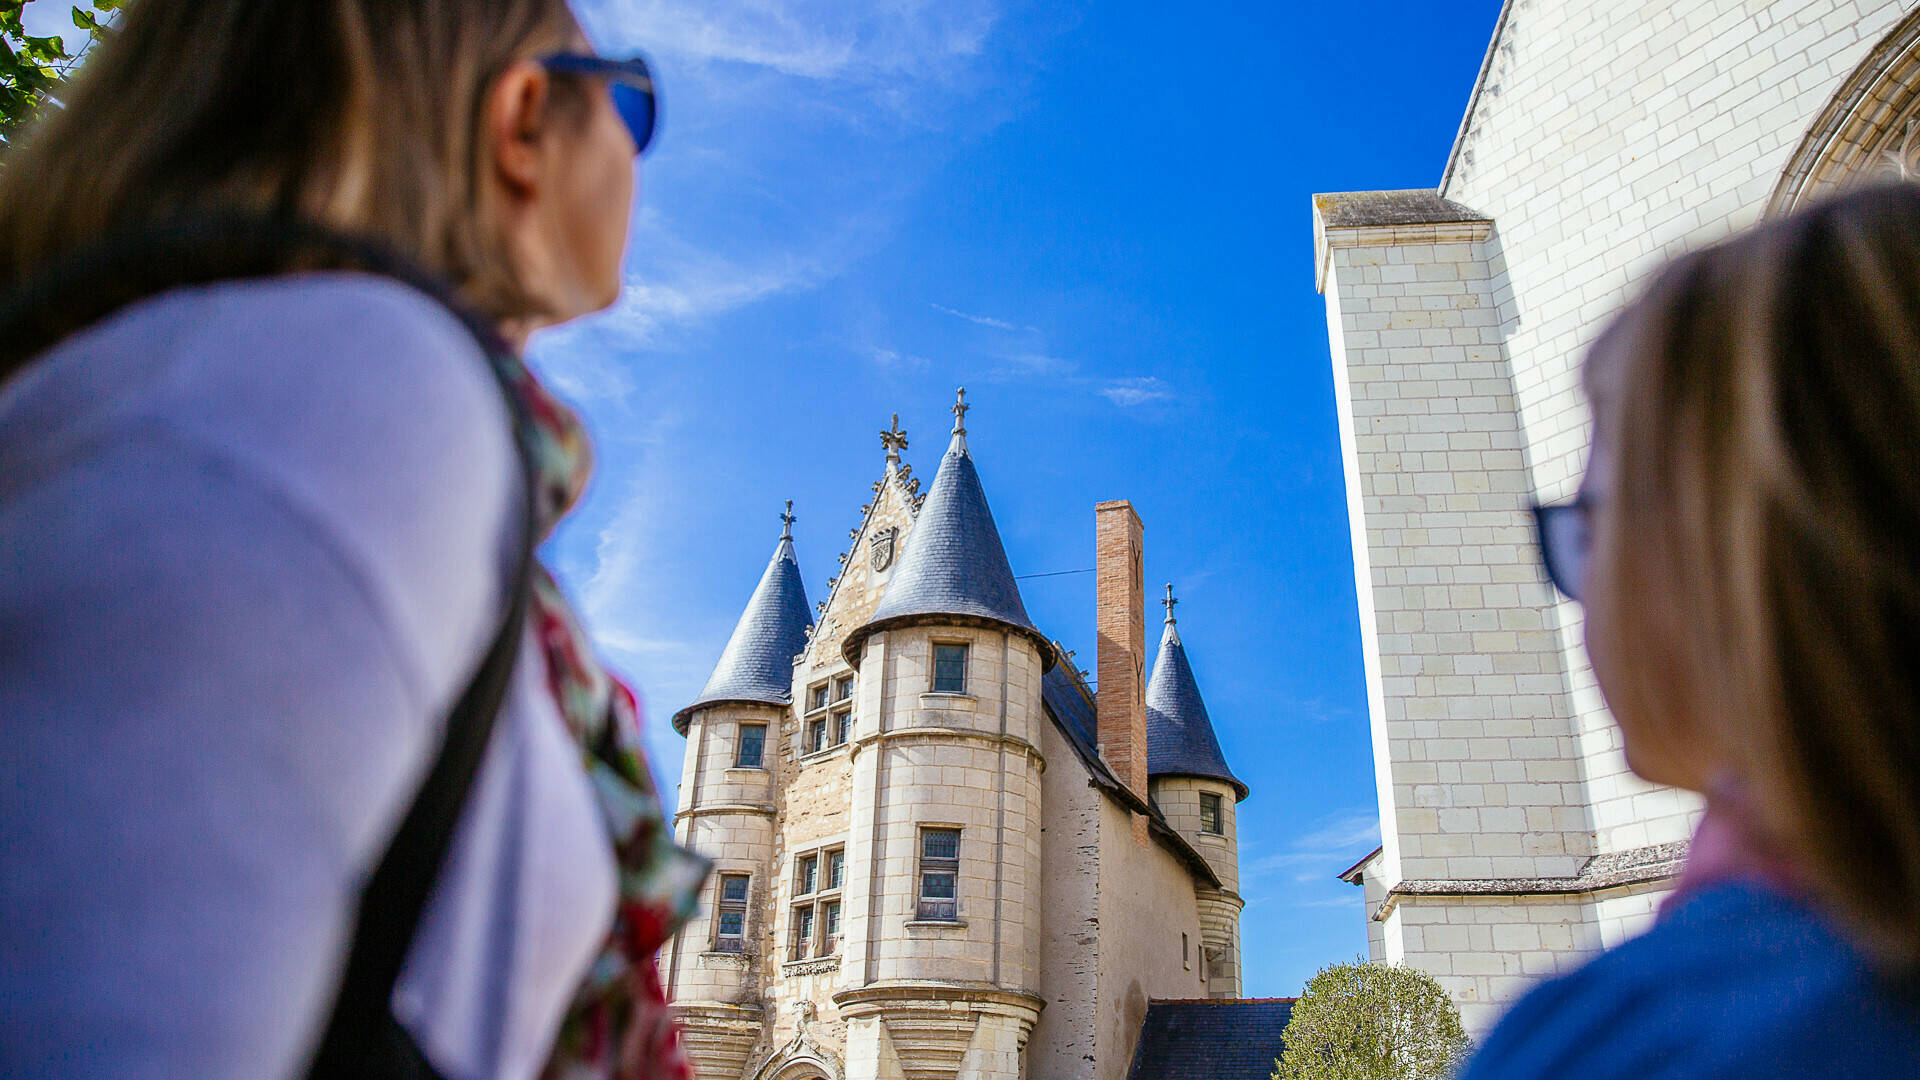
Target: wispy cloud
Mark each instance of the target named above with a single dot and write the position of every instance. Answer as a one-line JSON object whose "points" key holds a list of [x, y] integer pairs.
{"points": [[979, 320], [894, 359], [1138, 390], [1029, 364], [808, 39], [1327, 848]]}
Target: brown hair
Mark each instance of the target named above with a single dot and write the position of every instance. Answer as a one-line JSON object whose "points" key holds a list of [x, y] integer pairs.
{"points": [[362, 115], [1760, 547]]}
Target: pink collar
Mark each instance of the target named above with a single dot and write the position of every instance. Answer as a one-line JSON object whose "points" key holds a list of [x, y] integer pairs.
{"points": [[1727, 847]]}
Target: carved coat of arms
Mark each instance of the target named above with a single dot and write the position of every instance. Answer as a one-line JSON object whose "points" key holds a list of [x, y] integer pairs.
{"points": [[882, 546]]}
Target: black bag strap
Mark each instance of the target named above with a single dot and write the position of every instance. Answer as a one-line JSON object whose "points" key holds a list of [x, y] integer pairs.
{"points": [[362, 1040]]}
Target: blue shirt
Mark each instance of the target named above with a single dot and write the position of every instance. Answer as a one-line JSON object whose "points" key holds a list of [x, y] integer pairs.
{"points": [[1737, 981]]}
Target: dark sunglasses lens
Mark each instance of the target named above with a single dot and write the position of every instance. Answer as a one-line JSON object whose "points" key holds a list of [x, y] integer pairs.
{"points": [[1566, 544], [636, 110]]}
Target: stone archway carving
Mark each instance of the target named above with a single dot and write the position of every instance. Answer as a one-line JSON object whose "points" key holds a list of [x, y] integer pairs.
{"points": [[802, 1058], [1869, 131]]}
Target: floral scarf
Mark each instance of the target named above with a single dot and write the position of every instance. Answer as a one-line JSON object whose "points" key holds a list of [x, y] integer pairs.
{"points": [[618, 1027]]}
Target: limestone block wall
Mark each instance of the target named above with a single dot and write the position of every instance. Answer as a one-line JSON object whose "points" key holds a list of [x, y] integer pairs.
{"points": [[1602, 140], [726, 814], [1617, 136], [1487, 950], [1475, 747], [1178, 798], [967, 761]]}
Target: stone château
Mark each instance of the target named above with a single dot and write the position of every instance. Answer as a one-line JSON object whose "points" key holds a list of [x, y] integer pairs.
{"points": [[940, 853]]}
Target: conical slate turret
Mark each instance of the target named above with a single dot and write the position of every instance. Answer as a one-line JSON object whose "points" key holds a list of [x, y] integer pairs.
{"points": [[757, 664], [1180, 739], [954, 569]]}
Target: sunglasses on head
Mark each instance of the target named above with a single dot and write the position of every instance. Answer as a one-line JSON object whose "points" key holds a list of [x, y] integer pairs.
{"points": [[631, 83]]}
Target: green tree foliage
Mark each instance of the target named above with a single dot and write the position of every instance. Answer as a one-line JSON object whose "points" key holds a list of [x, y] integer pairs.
{"points": [[1363, 1021], [31, 67]]}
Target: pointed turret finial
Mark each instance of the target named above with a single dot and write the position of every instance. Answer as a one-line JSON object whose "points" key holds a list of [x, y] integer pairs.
{"points": [[895, 441], [1170, 602], [786, 522], [960, 408]]}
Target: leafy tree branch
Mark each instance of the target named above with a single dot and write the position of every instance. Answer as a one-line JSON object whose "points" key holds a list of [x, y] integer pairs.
{"points": [[1361, 1021], [31, 67]]}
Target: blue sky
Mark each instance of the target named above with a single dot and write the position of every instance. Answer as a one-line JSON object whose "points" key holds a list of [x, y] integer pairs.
{"points": [[1096, 218]]}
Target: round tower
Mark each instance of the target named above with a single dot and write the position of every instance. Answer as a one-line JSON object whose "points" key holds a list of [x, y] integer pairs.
{"points": [[942, 936], [727, 813], [1188, 778]]}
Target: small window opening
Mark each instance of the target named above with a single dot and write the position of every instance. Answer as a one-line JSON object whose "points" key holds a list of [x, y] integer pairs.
{"points": [[939, 875], [751, 751], [949, 669], [730, 930]]}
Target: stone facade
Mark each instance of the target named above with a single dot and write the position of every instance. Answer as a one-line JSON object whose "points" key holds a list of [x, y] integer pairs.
{"points": [[951, 882], [1600, 141]]}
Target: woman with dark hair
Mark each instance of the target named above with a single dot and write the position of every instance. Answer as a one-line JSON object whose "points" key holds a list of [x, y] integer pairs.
{"points": [[306, 769], [1746, 544]]}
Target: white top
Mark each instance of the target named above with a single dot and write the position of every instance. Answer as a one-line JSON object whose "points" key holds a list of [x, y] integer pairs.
{"points": [[254, 539]]}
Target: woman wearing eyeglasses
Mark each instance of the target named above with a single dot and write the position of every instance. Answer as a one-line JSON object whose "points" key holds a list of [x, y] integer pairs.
{"points": [[1746, 545], [306, 768]]}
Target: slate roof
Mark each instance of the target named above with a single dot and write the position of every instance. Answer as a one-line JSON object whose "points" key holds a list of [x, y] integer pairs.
{"points": [[1211, 1040], [954, 567], [757, 664], [1180, 738], [1070, 708], [1069, 702]]}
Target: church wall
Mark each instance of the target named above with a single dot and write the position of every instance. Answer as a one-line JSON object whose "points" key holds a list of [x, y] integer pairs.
{"points": [[1470, 714], [1604, 139], [1064, 1046], [1621, 135], [1145, 903], [1375, 892], [1486, 951]]}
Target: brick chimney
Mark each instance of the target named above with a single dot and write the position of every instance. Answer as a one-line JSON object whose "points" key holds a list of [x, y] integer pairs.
{"points": [[1121, 622]]}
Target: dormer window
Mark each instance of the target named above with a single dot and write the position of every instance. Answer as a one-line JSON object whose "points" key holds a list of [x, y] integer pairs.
{"points": [[949, 669]]}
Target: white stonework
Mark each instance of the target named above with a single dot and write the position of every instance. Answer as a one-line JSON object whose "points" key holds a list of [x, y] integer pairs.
{"points": [[1064, 927], [1601, 140]]}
